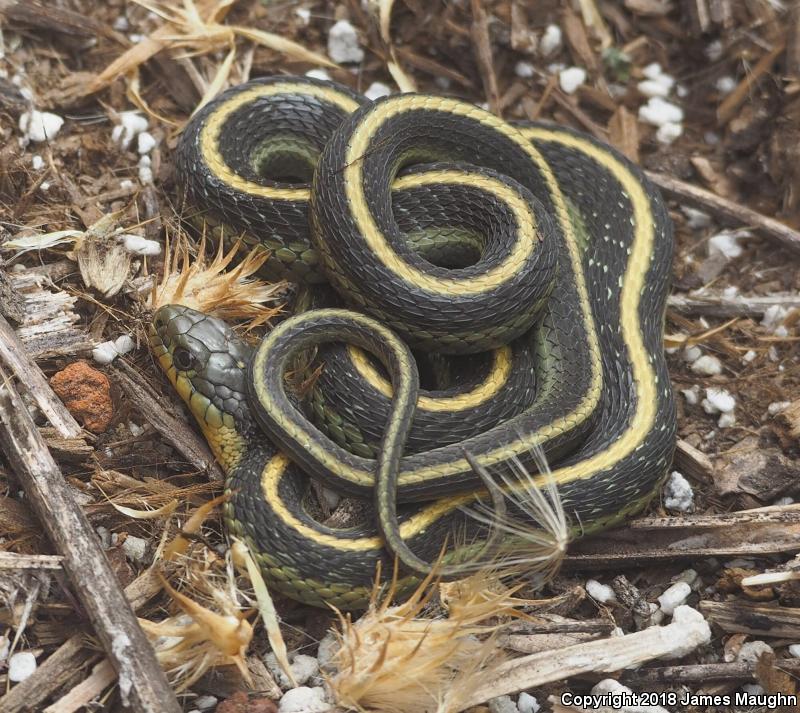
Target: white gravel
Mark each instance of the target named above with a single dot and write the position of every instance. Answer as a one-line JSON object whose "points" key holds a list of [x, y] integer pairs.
{"points": [[673, 597], [343, 45], [571, 78], [752, 650], [131, 124], [551, 41], [718, 401], [678, 493], [376, 90], [40, 126], [20, 666], [600, 592], [659, 112], [707, 365], [304, 700], [526, 703], [726, 244]]}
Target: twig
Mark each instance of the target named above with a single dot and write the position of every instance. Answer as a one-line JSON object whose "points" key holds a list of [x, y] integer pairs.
{"points": [[739, 306], [687, 631], [693, 462], [62, 666], [755, 532], [102, 677], [483, 55], [726, 210], [14, 561], [16, 357], [758, 619], [176, 431], [142, 680], [693, 673]]}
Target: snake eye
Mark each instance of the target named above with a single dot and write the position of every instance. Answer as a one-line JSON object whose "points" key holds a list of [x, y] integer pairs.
{"points": [[183, 359]]}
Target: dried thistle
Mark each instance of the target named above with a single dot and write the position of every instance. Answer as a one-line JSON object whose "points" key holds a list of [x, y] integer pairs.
{"points": [[207, 287]]}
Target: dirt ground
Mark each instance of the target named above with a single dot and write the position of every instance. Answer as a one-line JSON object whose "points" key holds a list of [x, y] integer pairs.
{"points": [[703, 92]]}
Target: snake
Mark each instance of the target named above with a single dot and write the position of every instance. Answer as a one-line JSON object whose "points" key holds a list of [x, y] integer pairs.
{"points": [[530, 260]]}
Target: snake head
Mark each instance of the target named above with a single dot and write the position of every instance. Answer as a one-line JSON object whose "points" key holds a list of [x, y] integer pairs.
{"points": [[206, 362]]}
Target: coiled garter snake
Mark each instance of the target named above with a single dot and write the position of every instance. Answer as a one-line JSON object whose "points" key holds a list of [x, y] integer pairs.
{"points": [[536, 255]]}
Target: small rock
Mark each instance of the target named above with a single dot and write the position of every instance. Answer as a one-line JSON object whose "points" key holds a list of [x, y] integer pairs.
{"points": [[707, 365], [304, 700], [318, 74], [303, 668], [692, 395], [794, 650], [667, 133], [86, 393], [600, 592], [571, 78], [40, 125], [726, 244], [145, 142], [343, 43], [696, 219], [134, 547], [725, 85], [20, 666], [524, 70], [205, 702], [726, 420], [503, 704], [692, 353], [140, 246], [551, 40], [37, 162], [749, 356], [678, 493], [658, 112], [752, 650], [673, 597], [376, 90], [145, 170], [718, 401], [753, 689], [124, 343], [526, 703], [131, 124], [774, 316]]}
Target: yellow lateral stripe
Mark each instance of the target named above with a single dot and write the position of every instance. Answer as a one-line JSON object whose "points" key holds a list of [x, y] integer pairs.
{"points": [[274, 470], [209, 135], [497, 377], [375, 241]]}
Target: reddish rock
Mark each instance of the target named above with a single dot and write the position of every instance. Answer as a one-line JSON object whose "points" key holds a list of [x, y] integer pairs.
{"points": [[240, 703], [86, 392]]}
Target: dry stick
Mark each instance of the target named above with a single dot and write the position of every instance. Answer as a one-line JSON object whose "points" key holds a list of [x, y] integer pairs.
{"points": [[483, 55], [142, 680], [726, 210], [61, 667], [693, 673], [756, 619], [13, 353], [739, 306], [175, 430]]}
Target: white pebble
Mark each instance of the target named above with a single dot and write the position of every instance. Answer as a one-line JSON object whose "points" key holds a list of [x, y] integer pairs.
{"points": [[730, 292], [777, 406], [5, 645], [718, 401], [124, 343], [696, 219], [772, 353], [753, 689], [343, 43], [652, 70], [40, 125], [714, 50], [551, 41], [134, 548], [20, 666], [145, 170], [304, 700], [331, 497], [121, 24], [600, 592], [794, 650], [785, 500], [145, 142], [132, 123], [303, 668], [752, 650], [139, 245], [135, 429], [502, 704], [304, 14], [318, 74], [126, 184], [678, 493], [692, 353], [673, 597], [726, 420], [774, 316], [725, 85], [526, 703], [37, 162], [692, 395], [651, 88], [376, 90], [749, 356], [571, 78], [105, 353], [44, 186], [726, 244], [707, 365], [667, 133], [658, 112], [523, 69]]}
